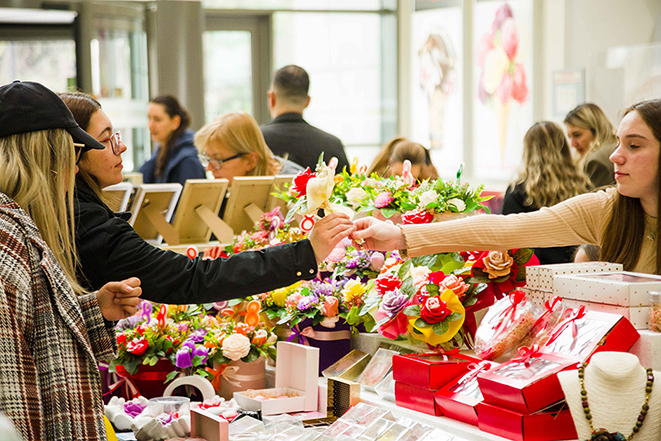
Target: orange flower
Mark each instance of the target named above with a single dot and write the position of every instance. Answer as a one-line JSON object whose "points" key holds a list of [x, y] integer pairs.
{"points": [[497, 264], [338, 179]]}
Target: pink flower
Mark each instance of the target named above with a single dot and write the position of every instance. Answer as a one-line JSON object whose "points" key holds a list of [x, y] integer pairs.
{"points": [[502, 14], [504, 90], [383, 200], [337, 254], [454, 284], [519, 88], [376, 261], [292, 300], [508, 37]]}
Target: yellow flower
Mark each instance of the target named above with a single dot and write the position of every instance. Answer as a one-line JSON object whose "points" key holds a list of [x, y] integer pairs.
{"points": [[353, 291], [427, 334], [280, 295], [354, 166]]}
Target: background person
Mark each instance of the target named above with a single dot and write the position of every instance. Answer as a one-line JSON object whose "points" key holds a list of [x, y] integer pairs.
{"points": [[390, 160], [593, 137], [175, 158], [52, 332], [547, 176], [232, 145], [288, 133], [622, 220], [108, 246]]}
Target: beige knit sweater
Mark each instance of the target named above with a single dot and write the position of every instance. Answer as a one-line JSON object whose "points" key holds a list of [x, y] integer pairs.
{"points": [[579, 220]]}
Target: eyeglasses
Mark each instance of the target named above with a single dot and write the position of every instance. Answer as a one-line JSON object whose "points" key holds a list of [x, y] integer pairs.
{"points": [[114, 141], [216, 164], [79, 151]]}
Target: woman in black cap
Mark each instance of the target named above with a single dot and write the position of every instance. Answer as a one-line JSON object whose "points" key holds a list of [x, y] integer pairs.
{"points": [[52, 332], [109, 248]]}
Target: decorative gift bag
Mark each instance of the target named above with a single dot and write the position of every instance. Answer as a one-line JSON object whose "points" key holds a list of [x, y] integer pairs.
{"points": [[238, 376], [333, 343]]}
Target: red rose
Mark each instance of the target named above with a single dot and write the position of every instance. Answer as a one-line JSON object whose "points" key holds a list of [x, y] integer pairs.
{"points": [[417, 217], [434, 310], [137, 347], [121, 339], [141, 329], [387, 282], [301, 182]]}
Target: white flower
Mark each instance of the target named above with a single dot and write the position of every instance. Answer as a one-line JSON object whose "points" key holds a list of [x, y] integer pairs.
{"points": [[458, 204], [320, 188], [236, 346], [428, 197], [420, 275], [355, 195]]}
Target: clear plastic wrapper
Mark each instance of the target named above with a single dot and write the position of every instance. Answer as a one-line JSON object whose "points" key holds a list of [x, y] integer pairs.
{"points": [[507, 322], [439, 435], [588, 331], [655, 311], [288, 435], [309, 434], [336, 429], [468, 387], [246, 424], [554, 312], [378, 428], [379, 366], [354, 431], [526, 370], [394, 433], [418, 432], [386, 388], [277, 420]]}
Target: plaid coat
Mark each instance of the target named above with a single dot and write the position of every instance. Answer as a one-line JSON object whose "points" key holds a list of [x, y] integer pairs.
{"points": [[50, 339]]}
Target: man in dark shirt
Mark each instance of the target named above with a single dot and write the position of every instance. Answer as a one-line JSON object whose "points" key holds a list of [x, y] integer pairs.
{"points": [[288, 133]]}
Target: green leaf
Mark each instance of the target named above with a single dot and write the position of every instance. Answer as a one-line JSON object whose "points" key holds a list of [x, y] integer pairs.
{"points": [[522, 256], [407, 206], [272, 313], [404, 270], [369, 323], [449, 262], [454, 317], [372, 301], [427, 261], [433, 289], [252, 355], [388, 212], [412, 310], [407, 287], [198, 360], [480, 273], [353, 317], [171, 376], [321, 159], [415, 331], [234, 302], [470, 302], [440, 328], [421, 323], [521, 274], [202, 373]]}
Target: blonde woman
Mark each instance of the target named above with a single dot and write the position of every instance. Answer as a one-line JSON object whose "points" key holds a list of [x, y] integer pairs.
{"points": [[593, 137], [232, 145], [390, 160], [52, 332], [548, 176]]}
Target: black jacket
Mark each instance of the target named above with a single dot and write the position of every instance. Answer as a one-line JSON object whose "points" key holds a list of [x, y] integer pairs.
{"points": [[110, 250], [289, 134], [514, 202], [182, 165]]}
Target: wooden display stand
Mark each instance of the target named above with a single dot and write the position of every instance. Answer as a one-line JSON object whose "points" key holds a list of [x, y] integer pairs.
{"points": [[152, 210], [117, 196], [278, 184], [248, 201]]}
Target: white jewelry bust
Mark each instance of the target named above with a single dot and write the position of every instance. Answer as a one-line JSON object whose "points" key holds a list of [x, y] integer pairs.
{"points": [[615, 383]]}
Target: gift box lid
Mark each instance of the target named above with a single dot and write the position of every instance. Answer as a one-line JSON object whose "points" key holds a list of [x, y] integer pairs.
{"points": [[622, 288], [431, 370], [540, 277]]}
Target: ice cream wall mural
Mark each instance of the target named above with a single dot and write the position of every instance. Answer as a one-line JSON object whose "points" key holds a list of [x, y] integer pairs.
{"points": [[502, 108]]}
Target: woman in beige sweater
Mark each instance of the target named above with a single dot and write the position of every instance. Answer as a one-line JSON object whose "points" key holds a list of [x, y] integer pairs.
{"points": [[622, 220]]}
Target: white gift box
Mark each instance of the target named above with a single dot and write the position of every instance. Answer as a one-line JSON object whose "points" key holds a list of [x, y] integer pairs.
{"points": [[620, 288], [296, 377], [637, 315], [536, 296], [540, 277]]}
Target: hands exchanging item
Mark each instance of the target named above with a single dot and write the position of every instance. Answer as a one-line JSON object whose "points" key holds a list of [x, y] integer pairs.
{"points": [[119, 300], [373, 233]]}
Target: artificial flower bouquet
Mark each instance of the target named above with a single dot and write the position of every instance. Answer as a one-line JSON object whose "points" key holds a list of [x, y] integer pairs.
{"points": [[348, 261]]}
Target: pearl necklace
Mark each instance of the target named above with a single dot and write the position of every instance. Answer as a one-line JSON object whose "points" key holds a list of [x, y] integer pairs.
{"points": [[603, 434]]}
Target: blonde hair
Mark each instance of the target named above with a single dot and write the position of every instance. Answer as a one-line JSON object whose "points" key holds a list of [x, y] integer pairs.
{"points": [[548, 173], [590, 117], [37, 170], [399, 150], [240, 132]]}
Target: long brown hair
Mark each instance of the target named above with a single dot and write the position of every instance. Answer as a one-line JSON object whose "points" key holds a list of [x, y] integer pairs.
{"points": [[399, 150], [590, 116], [625, 231], [172, 108], [83, 106], [548, 173]]}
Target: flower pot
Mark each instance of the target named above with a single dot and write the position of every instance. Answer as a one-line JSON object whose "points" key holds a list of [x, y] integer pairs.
{"points": [[239, 376], [150, 380]]}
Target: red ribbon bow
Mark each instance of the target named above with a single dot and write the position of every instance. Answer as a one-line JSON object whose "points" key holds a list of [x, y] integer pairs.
{"points": [[571, 319], [441, 351], [474, 370], [515, 298], [550, 306], [526, 353]]}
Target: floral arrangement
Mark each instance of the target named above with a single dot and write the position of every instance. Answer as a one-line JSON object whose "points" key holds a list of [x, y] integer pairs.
{"points": [[504, 271], [348, 261], [432, 298], [502, 78], [190, 338]]}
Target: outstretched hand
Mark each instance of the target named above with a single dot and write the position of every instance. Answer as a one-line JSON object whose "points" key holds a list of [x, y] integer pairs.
{"points": [[119, 300], [378, 235], [328, 232]]}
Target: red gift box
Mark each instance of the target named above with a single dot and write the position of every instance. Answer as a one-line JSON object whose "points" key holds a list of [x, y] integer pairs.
{"points": [[416, 398], [584, 333], [525, 384], [549, 425], [430, 371], [459, 398]]}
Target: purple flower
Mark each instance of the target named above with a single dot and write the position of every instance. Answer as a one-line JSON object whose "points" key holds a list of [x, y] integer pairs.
{"points": [[184, 359], [197, 336], [128, 323], [133, 409], [393, 302], [203, 352], [189, 344], [165, 418], [182, 327], [323, 289], [306, 302]]}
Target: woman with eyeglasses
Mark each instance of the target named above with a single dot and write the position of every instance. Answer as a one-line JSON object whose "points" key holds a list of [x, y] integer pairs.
{"points": [[175, 159], [233, 145], [108, 246]]}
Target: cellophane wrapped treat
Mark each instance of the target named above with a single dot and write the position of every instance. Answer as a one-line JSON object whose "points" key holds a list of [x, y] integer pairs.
{"points": [[554, 311], [507, 322]]}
